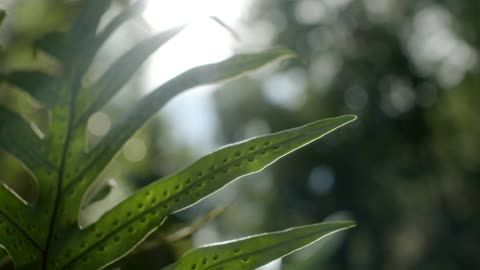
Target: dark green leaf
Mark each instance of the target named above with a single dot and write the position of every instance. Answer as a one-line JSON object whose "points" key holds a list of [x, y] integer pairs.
{"points": [[18, 138], [16, 228], [90, 165], [19, 214], [254, 251], [35, 83], [2, 15], [84, 29], [121, 229], [81, 36], [94, 162], [53, 44]]}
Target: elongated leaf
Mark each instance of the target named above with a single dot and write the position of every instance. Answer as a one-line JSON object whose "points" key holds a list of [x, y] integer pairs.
{"points": [[93, 163], [84, 29], [130, 12], [126, 225], [81, 36], [85, 169], [2, 15], [58, 44], [254, 251], [23, 250], [17, 211], [96, 41], [53, 44], [35, 84], [17, 138], [120, 72]]}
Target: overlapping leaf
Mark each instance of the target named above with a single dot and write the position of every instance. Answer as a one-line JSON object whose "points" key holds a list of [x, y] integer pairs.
{"points": [[90, 165], [34, 83], [23, 227], [126, 225], [120, 72], [254, 251], [46, 235], [18, 138]]}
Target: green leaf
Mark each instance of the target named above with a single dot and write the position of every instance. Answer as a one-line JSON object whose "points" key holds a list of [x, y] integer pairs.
{"points": [[53, 44], [84, 29], [16, 229], [74, 48], [87, 167], [23, 251], [96, 41], [130, 12], [254, 251], [35, 83], [120, 72], [16, 210], [18, 138], [125, 226], [3, 14], [46, 234], [92, 164], [79, 39]]}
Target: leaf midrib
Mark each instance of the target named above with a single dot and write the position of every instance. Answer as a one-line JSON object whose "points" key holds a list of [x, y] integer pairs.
{"points": [[200, 181], [61, 171], [183, 77], [159, 205]]}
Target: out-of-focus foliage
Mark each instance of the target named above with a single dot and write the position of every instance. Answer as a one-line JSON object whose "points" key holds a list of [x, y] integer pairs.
{"points": [[410, 70]]}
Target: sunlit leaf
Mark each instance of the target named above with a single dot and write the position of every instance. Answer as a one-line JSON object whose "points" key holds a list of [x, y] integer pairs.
{"points": [[46, 234], [120, 72], [92, 164], [129, 223], [254, 251]]}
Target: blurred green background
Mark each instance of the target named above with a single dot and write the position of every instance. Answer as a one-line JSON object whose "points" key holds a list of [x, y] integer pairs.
{"points": [[408, 170]]}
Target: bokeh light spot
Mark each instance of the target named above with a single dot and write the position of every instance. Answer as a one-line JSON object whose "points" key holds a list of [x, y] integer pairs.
{"points": [[286, 90], [135, 150], [321, 180], [99, 124]]}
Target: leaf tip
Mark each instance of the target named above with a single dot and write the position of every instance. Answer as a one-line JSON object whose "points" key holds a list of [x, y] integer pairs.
{"points": [[348, 224], [343, 120], [349, 117], [337, 226], [284, 53]]}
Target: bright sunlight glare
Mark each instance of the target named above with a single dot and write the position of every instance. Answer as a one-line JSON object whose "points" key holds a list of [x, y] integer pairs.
{"points": [[192, 117], [202, 41]]}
